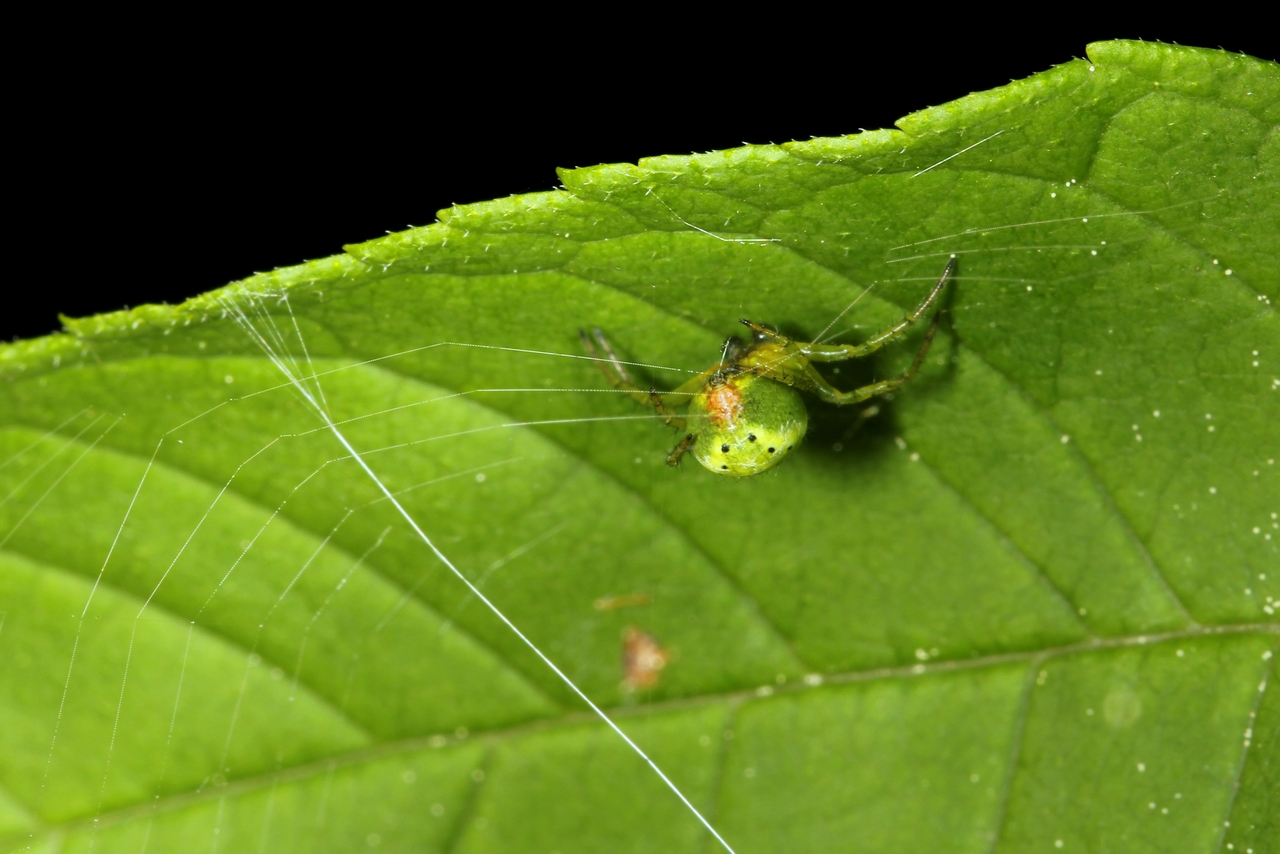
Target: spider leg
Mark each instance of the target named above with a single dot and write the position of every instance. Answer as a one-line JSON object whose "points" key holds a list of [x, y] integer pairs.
{"points": [[620, 379], [763, 333], [614, 361], [812, 381], [673, 458], [681, 394], [840, 352]]}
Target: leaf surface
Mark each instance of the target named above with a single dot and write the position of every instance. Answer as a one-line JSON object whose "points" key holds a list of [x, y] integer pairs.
{"points": [[1029, 605]]}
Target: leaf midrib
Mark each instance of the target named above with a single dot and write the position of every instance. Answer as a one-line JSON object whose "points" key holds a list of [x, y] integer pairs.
{"points": [[623, 713]]}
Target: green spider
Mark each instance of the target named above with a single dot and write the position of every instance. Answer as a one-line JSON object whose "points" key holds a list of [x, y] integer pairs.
{"points": [[748, 400]]}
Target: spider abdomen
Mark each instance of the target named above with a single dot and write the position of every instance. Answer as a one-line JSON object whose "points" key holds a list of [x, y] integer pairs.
{"points": [[745, 424]]}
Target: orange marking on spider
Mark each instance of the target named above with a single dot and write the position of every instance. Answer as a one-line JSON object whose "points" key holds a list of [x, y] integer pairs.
{"points": [[724, 404]]}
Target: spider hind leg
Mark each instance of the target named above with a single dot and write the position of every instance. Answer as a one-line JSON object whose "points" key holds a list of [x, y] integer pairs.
{"points": [[621, 379]]}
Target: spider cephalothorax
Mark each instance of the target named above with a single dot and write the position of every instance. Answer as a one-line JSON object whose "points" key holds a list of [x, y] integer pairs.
{"points": [[744, 412]]}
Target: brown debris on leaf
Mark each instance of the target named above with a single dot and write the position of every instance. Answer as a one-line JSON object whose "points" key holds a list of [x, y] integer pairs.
{"points": [[643, 659], [631, 600]]}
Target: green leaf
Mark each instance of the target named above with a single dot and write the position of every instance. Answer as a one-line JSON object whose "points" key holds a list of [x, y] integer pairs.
{"points": [[1029, 606]]}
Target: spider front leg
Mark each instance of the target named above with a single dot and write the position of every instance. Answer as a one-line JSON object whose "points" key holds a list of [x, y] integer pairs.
{"points": [[840, 352], [792, 365], [814, 381]]}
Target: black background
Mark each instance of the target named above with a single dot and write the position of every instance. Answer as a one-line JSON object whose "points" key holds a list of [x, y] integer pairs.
{"points": [[152, 169]]}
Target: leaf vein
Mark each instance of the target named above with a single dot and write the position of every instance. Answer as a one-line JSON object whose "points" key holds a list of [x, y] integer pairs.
{"points": [[178, 619], [1252, 723], [336, 549], [1015, 749]]}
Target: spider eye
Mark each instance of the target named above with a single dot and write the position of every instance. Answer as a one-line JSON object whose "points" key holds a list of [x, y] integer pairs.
{"points": [[771, 450], [751, 437], [724, 449]]}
